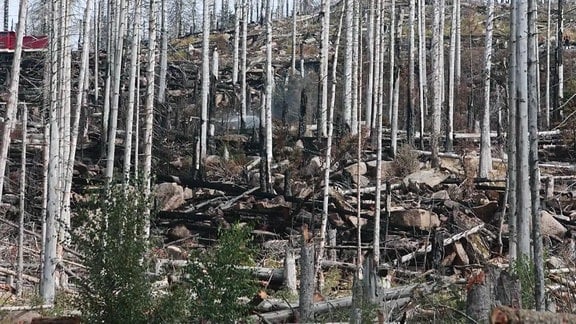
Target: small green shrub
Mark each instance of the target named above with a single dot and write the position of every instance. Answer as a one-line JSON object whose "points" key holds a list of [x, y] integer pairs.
{"points": [[115, 289], [215, 281]]}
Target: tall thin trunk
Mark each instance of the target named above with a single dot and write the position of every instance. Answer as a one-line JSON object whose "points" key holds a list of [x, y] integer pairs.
{"points": [[293, 56], [371, 66], [533, 104], [458, 58], [48, 282], [132, 95], [548, 76], [449, 144], [113, 125], [328, 157], [205, 82], [347, 95], [356, 63], [411, 98], [269, 95], [20, 284], [237, 10], [379, 130], [422, 82], [511, 185], [164, 67], [149, 108], [11, 105], [324, 61], [559, 93], [392, 120], [243, 66], [522, 153], [377, 94], [437, 71], [485, 148]]}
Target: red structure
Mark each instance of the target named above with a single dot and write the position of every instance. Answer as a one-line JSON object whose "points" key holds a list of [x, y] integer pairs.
{"points": [[30, 43]]}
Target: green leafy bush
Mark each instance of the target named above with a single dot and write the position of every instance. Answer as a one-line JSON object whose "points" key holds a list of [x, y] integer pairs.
{"points": [[116, 289], [217, 283]]}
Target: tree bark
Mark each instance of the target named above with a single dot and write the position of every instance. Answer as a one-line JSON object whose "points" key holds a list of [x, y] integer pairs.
{"points": [[485, 147]]}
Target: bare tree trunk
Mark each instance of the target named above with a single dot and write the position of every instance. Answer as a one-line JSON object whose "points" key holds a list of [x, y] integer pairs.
{"points": [[22, 206], [113, 124], [149, 108], [371, 66], [290, 271], [356, 63], [164, 67], [347, 96], [324, 61], [533, 107], [48, 283], [458, 59], [437, 71], [205, 82], [379, 130], [243, 66], [132, 95], [485, 148], [511, 185], [377, 94], [269, 95], [293, 56], [548, 76], [411, 102], [11, 105], [422, 82], [328, 157], [522, 154], [449, 144], [559, 84], [237, 10], [392, 120]]}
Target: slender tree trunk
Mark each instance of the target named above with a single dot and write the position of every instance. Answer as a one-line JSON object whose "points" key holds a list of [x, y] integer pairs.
{"points": [[410, 94], [392, 115], [379, 130], [533, 105], [22, 206], [371, 66], [356, 63], [132, 95], [328, 157], [149, 108], [437, 70], [235, 63], [347, 96], [485, 148], [164, 67], [243, 66], [269, 95], [522, 153], [324, 61], [113, 124], [449, 144], [559, 93], [11, 105], [548, 76], [458, 59], [377, 94], [48, 283], [422, 82], [293, 56], [511, 185], [205, 82]]}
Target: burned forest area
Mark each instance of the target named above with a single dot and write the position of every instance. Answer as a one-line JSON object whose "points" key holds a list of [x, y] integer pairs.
{"points": [[321, 166]]}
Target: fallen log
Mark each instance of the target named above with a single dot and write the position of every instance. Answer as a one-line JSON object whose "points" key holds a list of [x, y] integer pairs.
{"points": [[505, 315], [428, 248], [322, 307]]}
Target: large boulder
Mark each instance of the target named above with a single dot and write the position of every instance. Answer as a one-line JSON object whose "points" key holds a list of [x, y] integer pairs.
{"points": [[420, 218], [170, 196], [550, 226]]}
